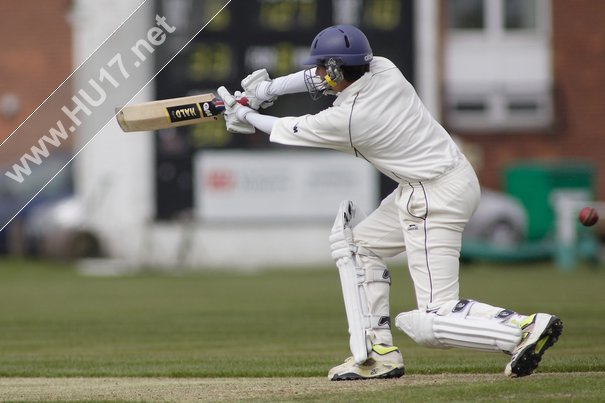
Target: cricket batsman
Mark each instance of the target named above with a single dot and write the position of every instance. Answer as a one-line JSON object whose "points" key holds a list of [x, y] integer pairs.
{"points": [[378, 116]]}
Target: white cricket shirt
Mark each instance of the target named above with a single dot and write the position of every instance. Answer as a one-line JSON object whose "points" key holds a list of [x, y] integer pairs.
{"points": [[379, 118]]}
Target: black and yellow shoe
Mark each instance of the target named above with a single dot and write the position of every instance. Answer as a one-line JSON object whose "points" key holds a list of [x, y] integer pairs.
{"points": [[383, 362], [540, 332]]}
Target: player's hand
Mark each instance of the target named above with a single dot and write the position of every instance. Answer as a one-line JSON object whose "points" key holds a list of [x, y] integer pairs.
{"points": [[256, 87], [235, 113]]}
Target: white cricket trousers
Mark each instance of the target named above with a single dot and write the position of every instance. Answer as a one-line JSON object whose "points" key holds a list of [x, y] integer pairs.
{"points": [[425, 219]]}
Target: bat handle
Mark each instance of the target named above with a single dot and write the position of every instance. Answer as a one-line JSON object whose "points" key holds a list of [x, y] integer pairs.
{"points": [[220, 104]]}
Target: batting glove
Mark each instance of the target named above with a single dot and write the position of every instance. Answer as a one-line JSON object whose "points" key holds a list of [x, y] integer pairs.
{"points": [[256, 88], [235, 113]]}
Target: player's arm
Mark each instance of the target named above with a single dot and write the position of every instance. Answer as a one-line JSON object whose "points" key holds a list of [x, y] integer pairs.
{"points": [[290, 84], [264, 123], [262, 91], [326, 129]]}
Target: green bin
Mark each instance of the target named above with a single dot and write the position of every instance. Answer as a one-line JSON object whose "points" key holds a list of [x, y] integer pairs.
{"points": [[535, 184]]}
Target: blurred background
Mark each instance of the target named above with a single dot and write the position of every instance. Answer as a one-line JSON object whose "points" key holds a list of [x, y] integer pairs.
{"points": [[518, 83]]}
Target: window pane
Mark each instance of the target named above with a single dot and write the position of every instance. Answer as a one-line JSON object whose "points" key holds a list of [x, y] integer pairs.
{"points": [[523, 106], [471, 106], [465, 14], [520, 14]]}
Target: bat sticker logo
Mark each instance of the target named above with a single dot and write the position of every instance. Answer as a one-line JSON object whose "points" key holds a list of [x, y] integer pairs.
{"points": [[210, 109], [183, 112]]}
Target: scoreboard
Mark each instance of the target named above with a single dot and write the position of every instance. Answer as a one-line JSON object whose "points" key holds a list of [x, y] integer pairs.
{"points": [[245, 36]]}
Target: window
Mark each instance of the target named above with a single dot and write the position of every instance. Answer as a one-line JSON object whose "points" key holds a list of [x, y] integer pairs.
{"points": [[465, 14], [520, 14], [497, 65]]}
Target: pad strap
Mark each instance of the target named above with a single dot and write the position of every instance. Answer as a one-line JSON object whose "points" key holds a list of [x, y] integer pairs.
{"points": [[372, 275], [360, 250]]}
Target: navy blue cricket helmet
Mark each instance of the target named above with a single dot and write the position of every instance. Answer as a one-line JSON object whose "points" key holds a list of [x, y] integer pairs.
{"points": [[344, 43]]}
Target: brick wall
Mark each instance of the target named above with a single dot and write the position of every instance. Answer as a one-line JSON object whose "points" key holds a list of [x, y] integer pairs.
{"points": [[579, 84], [579, 69], [35, 56]]}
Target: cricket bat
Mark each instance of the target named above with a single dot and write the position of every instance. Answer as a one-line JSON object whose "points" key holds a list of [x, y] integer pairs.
{"points": [[174, 112]]}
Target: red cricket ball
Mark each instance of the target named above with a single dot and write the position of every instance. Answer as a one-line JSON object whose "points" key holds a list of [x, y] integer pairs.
{"points": [[588, 216]]}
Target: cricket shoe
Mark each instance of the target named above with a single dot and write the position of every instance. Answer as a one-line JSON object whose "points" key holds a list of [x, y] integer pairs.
{"points": [[383, 362], [540, 331]]}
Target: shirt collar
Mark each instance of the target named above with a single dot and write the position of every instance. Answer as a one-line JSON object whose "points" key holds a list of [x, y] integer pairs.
{"points": [[352, 89]]}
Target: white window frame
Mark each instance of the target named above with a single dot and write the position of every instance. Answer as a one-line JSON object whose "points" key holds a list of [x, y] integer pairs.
{"points": [[500, 68]]}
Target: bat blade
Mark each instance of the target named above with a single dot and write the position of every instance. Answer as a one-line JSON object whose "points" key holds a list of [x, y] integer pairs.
{"points": [[168, 113]]}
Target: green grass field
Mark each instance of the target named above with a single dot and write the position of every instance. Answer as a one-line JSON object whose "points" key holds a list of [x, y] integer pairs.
{"points": [[289, 323]]}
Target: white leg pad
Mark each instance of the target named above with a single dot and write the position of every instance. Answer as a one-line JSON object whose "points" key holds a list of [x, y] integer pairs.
{"points": [[359, 292], [484, 335], [418, 326], [354, 309], [433, 330], [365, 285]]}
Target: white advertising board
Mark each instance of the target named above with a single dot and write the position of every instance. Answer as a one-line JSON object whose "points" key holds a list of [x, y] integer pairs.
{"points": [[240, 185]]}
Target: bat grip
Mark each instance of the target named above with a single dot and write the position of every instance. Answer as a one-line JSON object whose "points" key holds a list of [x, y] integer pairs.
{"points": [[220, 104]]}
